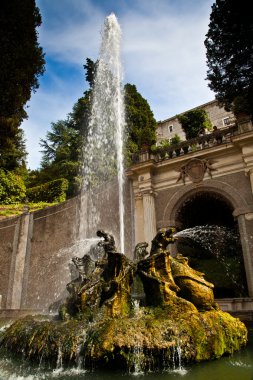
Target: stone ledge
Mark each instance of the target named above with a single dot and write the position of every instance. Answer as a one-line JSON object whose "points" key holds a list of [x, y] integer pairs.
{"points": [[238, 307], [17, 313]]}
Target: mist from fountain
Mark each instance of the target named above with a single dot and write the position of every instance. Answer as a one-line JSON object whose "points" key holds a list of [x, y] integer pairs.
{"points": [[211, 237], [103, 150], [218, 243]]}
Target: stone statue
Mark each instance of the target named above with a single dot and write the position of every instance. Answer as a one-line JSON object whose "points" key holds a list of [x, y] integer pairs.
{"points": [[108, 243], [140, 251], [192, 285], [106, 284], [85, 266], [162, 239]]}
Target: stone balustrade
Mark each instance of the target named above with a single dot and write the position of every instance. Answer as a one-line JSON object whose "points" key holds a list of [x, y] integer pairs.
{"points": [[222, 136]]}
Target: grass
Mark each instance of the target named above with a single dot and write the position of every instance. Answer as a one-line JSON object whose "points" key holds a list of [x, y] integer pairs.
{"points": [[7, 211]]}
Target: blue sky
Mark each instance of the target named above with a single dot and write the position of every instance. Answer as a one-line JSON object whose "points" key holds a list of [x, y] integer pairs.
{"points": [[163, 54]]}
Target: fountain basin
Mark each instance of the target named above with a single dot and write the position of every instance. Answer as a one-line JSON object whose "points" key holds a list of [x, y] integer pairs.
{"points": [[151, 337], [102, 324]]}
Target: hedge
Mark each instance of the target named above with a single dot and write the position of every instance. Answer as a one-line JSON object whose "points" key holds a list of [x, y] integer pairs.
{"points": [[54, 191], [12, 187]]}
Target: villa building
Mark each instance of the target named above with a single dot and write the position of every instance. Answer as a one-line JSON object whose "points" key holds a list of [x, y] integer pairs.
{"points": [[170, 127]]}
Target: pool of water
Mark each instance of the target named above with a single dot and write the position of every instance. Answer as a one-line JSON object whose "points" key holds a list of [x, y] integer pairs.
{"points": [[236, 367]]}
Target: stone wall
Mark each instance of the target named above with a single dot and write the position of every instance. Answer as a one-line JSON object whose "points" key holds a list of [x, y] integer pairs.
{"points": [[36, 248]]}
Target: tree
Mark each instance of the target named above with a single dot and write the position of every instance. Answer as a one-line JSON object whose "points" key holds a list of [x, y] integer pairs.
{"points": [[22, 62], [63, 144], [90, 71], [229, 52], [193, 121], [141, 124], [12, 145], [61, 154]]}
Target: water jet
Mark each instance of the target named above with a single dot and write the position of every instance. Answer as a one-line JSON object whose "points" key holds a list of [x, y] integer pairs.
{"points": [[101, 324]]}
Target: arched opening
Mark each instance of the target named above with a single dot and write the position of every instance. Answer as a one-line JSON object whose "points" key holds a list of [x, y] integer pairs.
{"points": [[212, 242]]}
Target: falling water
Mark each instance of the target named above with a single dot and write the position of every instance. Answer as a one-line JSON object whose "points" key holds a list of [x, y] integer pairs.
{"points": [[103, 151], [216, 244], [212, 237]]}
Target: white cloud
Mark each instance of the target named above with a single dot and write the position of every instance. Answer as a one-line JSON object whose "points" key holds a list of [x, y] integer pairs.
{"points": [[163, 55]]}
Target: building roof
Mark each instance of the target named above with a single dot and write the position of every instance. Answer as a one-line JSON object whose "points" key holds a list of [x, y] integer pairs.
{"points": [[175, 116]]}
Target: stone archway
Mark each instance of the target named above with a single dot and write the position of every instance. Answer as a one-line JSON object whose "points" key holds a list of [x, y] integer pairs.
{"points": [[220, 188], [212, 195]]}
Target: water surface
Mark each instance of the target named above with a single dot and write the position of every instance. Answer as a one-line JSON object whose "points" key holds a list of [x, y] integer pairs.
{"points": [[236, 367]]}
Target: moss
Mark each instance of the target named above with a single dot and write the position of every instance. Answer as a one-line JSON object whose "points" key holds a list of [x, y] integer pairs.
{"points": [[101, 324], [151, 338]]}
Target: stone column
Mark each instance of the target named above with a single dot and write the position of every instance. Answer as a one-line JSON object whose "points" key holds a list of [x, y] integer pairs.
{"points": [[247, 253], [15, 288], [250, 172], [149, 216], [138, 219]]}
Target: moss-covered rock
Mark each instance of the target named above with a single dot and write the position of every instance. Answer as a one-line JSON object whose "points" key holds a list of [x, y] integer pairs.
{"points": [[150, 336]]}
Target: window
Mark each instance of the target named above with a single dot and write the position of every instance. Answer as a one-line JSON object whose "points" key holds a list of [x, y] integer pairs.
{"points": [[226, 121], [170, 128]]}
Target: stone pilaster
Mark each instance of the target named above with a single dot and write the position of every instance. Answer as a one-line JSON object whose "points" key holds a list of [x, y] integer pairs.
{"points": [[250, 173], [138, 219], [247, 252], [149, 215], [14, 298]]}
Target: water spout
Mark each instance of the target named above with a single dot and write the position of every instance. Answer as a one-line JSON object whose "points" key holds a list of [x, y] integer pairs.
{"points": [[103, 150]]}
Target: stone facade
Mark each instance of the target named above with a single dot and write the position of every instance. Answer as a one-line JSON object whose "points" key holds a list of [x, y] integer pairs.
{"points": [[159, 185], [168, 128]]}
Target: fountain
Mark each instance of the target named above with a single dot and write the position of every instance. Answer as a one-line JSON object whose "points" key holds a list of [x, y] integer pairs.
{"points": [[216, 250], [151, 312], [100, 321], [103, 150]]}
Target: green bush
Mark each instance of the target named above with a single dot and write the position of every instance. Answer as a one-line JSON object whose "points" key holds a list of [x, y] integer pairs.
{"points": [[12, 187], [54, 191], [193, 121]]}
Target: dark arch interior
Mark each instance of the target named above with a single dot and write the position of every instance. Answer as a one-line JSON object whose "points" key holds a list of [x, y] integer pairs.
{"points": [[205, 208], [225, 268]]}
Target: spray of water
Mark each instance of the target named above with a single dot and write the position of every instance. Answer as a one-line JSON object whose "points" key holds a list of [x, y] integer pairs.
{"points": [[103, 151], [212, 237]]}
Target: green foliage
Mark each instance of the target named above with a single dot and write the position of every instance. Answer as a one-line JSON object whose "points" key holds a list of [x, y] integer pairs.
{"points": [[18, 208], [193, 121], [241, 106], [54, 191], [161, 146], [62, 147], [90, 69], [229, 52], [12, 145], [141, 125], [12, 187], [175, 139], [22, 61]]}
